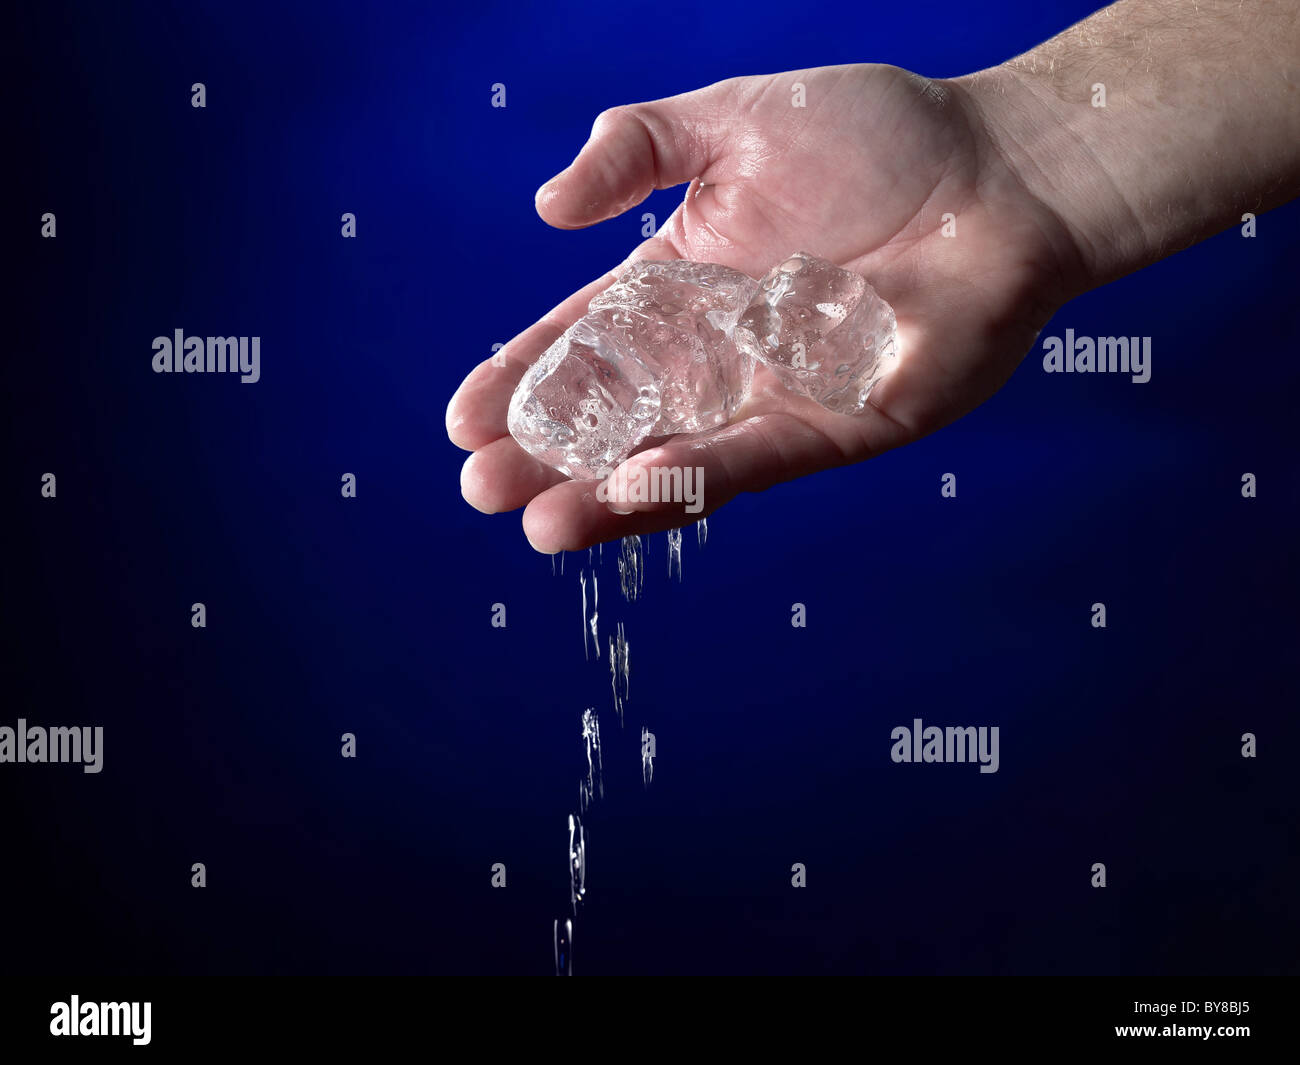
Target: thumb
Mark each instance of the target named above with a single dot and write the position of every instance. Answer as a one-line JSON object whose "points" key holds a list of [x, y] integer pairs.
{"points": [[635, 149]]}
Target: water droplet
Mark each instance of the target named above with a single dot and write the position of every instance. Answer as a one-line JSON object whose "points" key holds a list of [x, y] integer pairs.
{"points": [[590, 622], [564, 947], [593, 786], [619, 670], [647, 756], [577, 862], [631, 567]]}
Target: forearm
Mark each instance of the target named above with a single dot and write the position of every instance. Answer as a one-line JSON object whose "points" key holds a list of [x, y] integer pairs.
{"points": [[1200, 124]]}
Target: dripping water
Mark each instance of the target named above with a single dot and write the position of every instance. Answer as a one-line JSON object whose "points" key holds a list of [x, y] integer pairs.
{"points": [[590, 622], [675, 553], [619, 669], [594, 785], [647, 756], [563, 947], [631, 567], [577, 862], [631, 572]]}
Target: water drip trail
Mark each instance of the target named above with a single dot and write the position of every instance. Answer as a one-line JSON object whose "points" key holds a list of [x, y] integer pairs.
{"points": [[590, 622], [647, 756], [631, 567], [631, 572], [675, 553], [563, 947], [577, 862], [619, 669], [593, 786]]}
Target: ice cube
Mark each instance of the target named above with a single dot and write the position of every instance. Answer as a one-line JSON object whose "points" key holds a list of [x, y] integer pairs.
{"points": [[586, 403], [823, 331], [653, 355], [679, 315]]}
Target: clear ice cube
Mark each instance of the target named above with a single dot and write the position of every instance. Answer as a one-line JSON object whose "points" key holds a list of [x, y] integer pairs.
{"points": [[823, 331], [652, 356], [680, 315], [586, 403]]}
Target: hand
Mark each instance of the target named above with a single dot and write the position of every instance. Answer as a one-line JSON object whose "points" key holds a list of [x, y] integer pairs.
{"points": [[871, 173]]}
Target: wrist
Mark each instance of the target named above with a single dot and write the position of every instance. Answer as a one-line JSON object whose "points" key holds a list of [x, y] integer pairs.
{"points": [[1046, 142]]}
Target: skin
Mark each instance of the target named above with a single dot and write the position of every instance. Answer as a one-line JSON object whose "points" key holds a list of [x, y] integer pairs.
{"points": [[1050, 196]]}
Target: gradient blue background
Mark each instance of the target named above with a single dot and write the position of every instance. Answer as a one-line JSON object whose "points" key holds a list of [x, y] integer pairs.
{"points": [[371, 616]]}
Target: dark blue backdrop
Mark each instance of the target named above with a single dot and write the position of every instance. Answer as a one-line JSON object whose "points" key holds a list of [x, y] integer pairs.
{"points": [[372, 615]]}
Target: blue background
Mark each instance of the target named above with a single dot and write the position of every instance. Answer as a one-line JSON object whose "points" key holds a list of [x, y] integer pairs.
{"points": [[372, 615]]}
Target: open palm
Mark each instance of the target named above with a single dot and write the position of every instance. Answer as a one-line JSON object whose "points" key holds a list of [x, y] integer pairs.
{"points": [[881, 171]]}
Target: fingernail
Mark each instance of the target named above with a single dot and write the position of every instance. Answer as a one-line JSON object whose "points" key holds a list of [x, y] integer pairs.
{"points": [[615, 484]]}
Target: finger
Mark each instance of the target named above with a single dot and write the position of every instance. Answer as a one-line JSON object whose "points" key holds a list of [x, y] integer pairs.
{"points": [[502, 476], [689, 477], [476, 415], [569, 517], [636, 149], [715, 467]]}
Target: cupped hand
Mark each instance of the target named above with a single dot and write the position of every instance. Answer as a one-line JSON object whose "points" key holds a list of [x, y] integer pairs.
{"points": [[886, 173]]}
